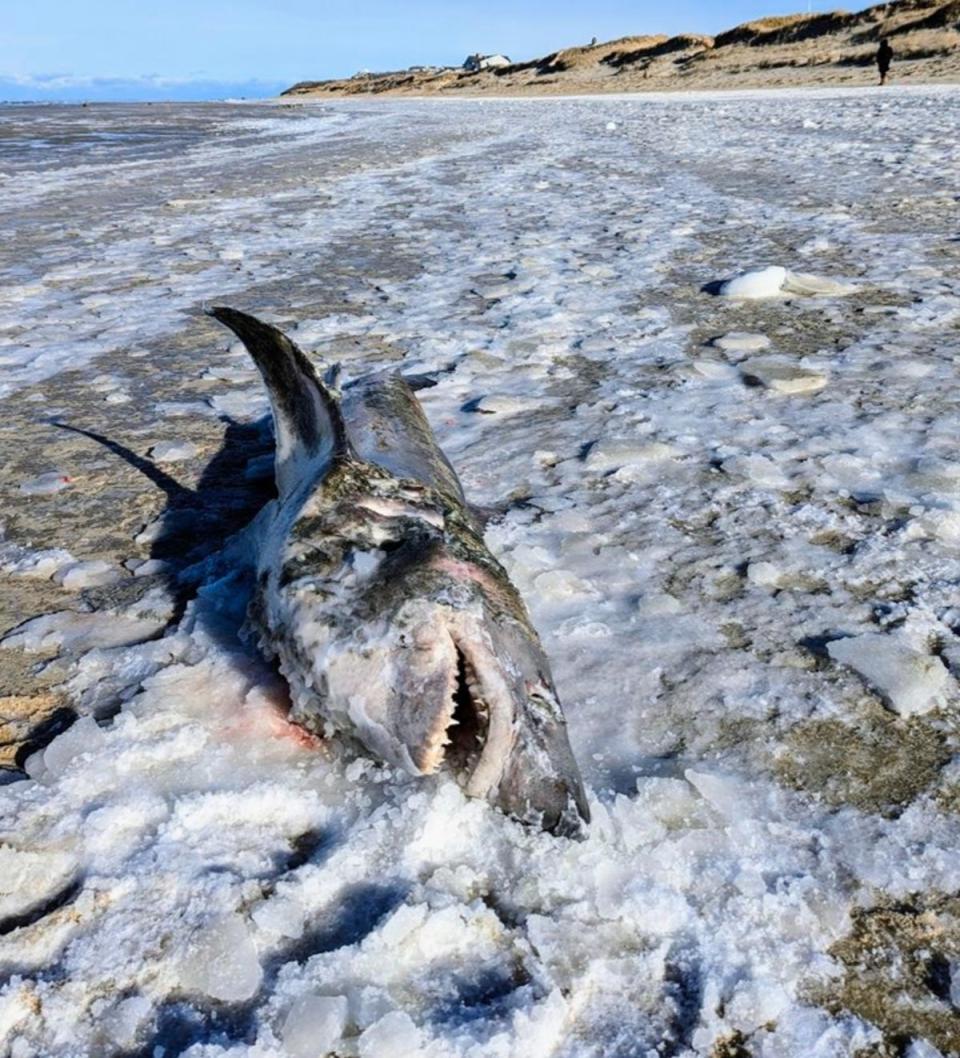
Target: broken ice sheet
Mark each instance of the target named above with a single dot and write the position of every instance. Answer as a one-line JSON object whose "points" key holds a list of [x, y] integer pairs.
{"points": [[911, 682]]}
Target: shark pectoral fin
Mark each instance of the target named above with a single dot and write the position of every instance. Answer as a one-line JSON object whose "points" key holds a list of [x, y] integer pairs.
{"points": [[541, 782], [309, 426]]}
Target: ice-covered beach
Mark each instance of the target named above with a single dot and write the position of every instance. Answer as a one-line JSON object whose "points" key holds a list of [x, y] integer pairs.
{"points": [[735, 520]]}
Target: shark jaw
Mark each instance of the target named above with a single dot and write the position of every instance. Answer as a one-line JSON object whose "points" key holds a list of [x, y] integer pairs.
{"points": [[483, 738], [473, 734]]}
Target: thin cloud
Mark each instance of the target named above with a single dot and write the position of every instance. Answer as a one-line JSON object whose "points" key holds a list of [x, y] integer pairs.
{"points": [[67, 87]]}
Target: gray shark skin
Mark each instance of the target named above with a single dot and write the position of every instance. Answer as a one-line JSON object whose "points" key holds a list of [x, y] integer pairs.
{"points": [[388, 616]]}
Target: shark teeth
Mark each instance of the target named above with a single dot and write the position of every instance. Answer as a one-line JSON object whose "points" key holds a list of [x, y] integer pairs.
{"points": [[459, 734], [469, 721]]}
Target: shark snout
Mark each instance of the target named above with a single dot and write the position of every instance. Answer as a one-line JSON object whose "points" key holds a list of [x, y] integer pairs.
{"points": [[540, 783]]}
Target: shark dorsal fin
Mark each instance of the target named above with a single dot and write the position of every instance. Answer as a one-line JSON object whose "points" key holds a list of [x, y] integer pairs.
{"points": [[309, 426]]}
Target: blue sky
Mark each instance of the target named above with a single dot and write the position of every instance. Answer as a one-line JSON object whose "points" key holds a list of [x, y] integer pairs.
{"points": [[195, 49]]}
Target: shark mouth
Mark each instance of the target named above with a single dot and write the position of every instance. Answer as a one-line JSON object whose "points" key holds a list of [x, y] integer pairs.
{"points": [[472, 737]]}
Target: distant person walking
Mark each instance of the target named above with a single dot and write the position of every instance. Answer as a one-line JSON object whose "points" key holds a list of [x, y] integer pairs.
{"points": [[884, 55]]}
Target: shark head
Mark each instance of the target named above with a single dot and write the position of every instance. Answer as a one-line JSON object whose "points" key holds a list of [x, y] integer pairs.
{"points": [[393, 623]]}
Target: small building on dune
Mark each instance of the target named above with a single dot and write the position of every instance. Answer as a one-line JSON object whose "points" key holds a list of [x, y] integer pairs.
{"points": [[476, 63]]}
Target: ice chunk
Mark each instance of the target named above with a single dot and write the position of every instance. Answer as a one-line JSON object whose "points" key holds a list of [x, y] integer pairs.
{"points": [[495, 291], [17, 1002], [150, 567], [742, 342], [69, 631], [764, 574], [314, 1025], [82, 737], [173, 451], [715, 369], [761, 470], [911, 682], [658, 604], [538, 1031], [762, 283], [781, 376], [561, 584], [39, 564], [608, 455], [506, 404], [28, 878], [45, 484], [393, 1036], [776, 281], [816, 245], [243, 404], [402, 923], [671, 801], [814, 286], [920, 1048], [754, 1004], [581, 626], [280, 916], [222, 962], [230, 373], [90, 574], [123, 1022], [729, 795]]}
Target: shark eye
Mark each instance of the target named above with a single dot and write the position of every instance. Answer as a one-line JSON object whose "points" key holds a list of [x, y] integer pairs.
{"points": [[542, 704]]}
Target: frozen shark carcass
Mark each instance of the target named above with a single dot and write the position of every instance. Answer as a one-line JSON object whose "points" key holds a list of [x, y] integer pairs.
{"points": [[386, 612]]}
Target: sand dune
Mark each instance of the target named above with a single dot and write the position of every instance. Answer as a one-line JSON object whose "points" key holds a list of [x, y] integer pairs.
{"points": [[833, 48]]}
